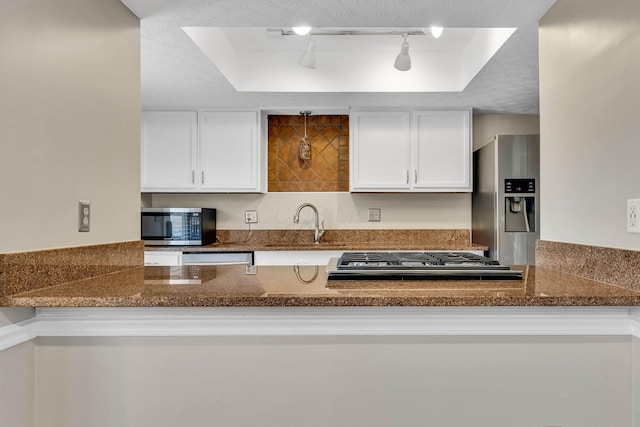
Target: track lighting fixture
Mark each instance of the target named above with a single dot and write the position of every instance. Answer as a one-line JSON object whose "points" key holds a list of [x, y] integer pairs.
{"points": [[403, 60], [308, 58]]}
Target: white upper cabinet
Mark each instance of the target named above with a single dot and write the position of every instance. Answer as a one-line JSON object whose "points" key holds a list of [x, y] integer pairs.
{"points": [[229, 151], [443, 151], [419, 151], [381, 150], [224, 156], [169, 144]]}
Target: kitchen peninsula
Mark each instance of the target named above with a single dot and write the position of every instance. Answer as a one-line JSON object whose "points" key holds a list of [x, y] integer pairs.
{"points": [[307, 286], [112, 275], [100, 304]]}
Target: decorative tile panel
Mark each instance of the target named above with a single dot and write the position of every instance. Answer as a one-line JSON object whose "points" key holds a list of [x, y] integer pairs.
{"points": [[328, 168]]}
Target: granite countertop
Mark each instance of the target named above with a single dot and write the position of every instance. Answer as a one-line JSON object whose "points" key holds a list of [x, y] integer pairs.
{"points": [[229, 285]]}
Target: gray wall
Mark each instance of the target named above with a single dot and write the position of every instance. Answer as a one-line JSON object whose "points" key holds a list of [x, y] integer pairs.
{"points": [[69, 122], [17, 386], [17, 375], [635, 395], [69, 130], [486, 126], [334, 381], [589, 127]]}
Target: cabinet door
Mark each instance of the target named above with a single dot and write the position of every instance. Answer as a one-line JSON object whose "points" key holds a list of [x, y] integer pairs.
{"points": [[229, 156], [380, 151], [443, 151], [168, 150]]}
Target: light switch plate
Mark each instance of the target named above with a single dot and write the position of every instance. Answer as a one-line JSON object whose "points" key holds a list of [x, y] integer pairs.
{"points": [[84, 216], [374, 214]]}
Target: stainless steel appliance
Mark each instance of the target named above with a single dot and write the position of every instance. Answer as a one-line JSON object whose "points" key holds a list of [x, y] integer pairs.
{"points": [[216, 258], [418, 266], [178, 226], [505, 200]]}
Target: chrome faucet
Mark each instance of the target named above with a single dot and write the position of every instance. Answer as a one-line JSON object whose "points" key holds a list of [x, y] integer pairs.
{"points": [[319, 231]]}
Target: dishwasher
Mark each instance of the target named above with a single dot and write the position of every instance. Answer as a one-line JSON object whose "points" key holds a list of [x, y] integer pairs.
{"points": [[216, 258]]}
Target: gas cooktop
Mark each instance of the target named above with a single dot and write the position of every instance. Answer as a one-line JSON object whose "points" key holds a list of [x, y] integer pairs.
{"points": [[418, 266]]}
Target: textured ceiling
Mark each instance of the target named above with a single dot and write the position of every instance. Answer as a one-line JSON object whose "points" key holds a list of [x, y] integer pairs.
{"points": [[176, 74]]}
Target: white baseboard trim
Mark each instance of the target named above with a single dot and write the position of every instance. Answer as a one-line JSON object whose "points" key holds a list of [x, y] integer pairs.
{"points": [[16, 334], [324, 321]]}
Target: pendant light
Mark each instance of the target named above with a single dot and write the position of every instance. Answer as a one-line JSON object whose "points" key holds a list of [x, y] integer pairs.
{"points": [[403, 60], [308, 58], [304, 149]]}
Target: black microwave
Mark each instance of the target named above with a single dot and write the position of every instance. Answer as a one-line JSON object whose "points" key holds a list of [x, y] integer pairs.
{"points": [[178, 226]]}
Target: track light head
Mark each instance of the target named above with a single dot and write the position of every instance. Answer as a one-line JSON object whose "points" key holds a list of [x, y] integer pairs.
{"points": [[403, 60]]}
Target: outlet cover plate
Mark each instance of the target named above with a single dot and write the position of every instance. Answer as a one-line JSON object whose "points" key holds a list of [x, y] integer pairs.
{"points": [[250, 217], [374, 214], [84, 216], [633, 215]]}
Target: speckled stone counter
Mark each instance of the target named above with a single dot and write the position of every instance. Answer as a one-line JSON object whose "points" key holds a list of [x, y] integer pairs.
{"points": [[201, 286], [112, 275]]}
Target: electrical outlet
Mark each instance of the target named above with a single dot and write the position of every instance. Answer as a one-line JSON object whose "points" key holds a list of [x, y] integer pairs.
{"points": [[84, 216], [250, 217], [250, 269], [633, 215], [374, 214]]}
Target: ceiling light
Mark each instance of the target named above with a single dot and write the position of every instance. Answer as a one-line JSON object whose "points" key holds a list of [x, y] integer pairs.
{"points": [[436, 32], [308, 58], [302, 30], [403, 60]]}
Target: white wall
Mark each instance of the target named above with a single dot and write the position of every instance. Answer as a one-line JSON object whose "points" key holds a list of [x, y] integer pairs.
{"points": [[338, 210], [589, 120], [334, 381], [69, 122]]}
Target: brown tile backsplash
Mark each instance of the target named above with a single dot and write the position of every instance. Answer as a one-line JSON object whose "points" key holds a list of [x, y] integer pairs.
{"points": [[619, 267], [328, 168], [25, 271]]}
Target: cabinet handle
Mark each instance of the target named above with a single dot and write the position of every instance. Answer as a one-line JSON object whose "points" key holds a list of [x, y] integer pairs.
{"points": [[202, 177], [407, 176], [193, 177], [415, 173]]}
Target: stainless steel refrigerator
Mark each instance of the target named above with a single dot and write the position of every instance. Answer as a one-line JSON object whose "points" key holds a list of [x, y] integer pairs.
{"points": [[505, 200]]}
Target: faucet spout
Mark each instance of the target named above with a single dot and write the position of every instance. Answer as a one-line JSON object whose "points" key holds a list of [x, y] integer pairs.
{"points": [[318, 232]]}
